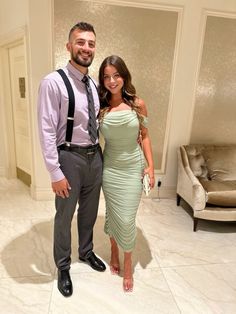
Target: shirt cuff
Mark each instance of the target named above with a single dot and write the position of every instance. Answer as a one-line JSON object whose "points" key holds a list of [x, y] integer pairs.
{"points": [[57, 175]]}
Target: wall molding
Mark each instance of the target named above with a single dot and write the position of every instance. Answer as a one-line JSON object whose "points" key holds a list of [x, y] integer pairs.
{"points": [[199, 59], [205, 14], [171, 95], [12, 38], [218, 13], [145, 4]]}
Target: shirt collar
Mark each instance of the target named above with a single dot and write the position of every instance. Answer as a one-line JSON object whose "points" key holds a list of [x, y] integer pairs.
{"points": [[79, 75]]}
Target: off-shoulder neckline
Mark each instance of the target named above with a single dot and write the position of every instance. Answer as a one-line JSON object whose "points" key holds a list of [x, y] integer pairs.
{"points": [[120, 110]]}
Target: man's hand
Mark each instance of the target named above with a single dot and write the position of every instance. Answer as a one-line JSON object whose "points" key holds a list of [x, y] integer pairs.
{"points": [[61, 188]]}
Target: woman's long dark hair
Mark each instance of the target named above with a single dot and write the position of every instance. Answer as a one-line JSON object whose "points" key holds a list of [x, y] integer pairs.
{"points": [[128, 90]]}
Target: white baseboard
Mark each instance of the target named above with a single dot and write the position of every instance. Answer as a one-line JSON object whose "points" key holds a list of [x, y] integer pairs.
{"points": [[41, 194], [46, 194], [163, 192], [2, 172]]}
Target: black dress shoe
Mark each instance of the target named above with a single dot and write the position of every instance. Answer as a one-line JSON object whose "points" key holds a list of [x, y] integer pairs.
{"points": [[93, 261], [64, 283]]}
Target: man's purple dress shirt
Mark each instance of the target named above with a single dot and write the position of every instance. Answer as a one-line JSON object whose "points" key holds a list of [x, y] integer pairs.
{"points": [[52, 115]]}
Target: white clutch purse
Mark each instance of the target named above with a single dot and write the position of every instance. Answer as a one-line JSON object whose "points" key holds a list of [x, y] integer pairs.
{"points": [[146, 184]]}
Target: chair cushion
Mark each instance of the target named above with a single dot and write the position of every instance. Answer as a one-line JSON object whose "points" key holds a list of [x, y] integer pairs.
{"points": [[220, 193], [220, 162]]}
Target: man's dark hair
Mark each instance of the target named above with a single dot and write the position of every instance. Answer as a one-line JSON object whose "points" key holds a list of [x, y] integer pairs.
{"points": [[83, 26]]}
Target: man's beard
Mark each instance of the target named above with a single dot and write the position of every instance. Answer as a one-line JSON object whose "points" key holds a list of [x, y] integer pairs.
{"points": [[84, 63]]}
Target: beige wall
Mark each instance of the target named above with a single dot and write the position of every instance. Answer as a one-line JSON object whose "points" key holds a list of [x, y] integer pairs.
{"points": [[13, 14], [30, 21], [214, 119], [187, 67]]}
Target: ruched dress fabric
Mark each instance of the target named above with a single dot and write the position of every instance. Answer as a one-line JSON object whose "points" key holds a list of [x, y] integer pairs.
{"points": [[122, 175]]}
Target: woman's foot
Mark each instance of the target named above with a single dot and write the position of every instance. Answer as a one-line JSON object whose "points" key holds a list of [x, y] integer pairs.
{"points": [[128, 282], [115, 269], [114, 263]]}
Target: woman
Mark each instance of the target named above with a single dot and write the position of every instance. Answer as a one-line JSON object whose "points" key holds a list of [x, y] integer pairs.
{"points": [[123, 115]]}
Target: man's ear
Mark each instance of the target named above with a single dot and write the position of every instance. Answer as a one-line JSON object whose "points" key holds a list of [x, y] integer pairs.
{"points": [[68, 46]]}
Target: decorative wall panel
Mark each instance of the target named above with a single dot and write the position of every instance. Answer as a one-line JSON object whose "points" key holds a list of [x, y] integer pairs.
{"points": [[215, 105]]}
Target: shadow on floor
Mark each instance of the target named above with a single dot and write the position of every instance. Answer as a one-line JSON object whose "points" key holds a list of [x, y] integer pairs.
{"points": [[30, 254]]}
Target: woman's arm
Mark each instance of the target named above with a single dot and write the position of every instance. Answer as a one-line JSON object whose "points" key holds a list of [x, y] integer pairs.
{"points": [[147, 146]]}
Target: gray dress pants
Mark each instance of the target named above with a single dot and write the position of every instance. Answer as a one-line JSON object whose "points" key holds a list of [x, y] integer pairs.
{"points": [[84, 174]]}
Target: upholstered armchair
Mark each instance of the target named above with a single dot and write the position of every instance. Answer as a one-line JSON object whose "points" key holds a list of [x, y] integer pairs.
{"points": [[207, 181]]}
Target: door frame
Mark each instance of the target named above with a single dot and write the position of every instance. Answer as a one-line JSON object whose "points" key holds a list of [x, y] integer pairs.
{"points": [[18, 37]]}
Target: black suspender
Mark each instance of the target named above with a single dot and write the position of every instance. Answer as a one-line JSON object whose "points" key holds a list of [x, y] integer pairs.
{"points": [[71, 107]]}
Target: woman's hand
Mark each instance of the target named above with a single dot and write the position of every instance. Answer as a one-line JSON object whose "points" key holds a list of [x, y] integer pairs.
{"points": [[151, 176]]}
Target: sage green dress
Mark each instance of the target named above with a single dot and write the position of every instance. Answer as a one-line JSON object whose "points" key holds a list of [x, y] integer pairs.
{"points": [[122, 174]]}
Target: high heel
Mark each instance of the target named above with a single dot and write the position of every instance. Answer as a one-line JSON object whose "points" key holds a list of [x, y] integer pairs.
{"points": [[115, 269]]}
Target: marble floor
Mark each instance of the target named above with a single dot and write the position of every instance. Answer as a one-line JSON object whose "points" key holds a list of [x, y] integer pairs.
{"points": [[176, 270]]}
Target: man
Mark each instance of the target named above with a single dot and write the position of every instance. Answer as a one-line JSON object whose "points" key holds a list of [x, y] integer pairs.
{"points": [[71, 151]]}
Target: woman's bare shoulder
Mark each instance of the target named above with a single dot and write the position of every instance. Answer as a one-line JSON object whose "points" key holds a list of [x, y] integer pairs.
{"points": [[142, 106]]}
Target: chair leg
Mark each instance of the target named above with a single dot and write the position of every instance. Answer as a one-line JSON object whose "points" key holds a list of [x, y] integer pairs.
{"points": [[195, 222], [178, 199]]}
